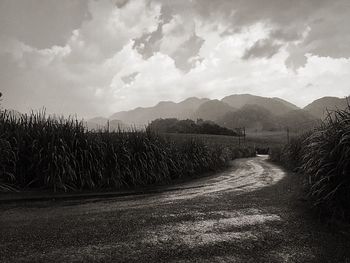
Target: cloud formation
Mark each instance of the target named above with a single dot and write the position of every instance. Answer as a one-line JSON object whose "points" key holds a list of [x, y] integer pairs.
{"points": [[98, 57]]}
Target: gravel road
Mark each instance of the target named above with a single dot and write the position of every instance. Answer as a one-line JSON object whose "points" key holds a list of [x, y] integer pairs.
{"points": [[251, 212]]}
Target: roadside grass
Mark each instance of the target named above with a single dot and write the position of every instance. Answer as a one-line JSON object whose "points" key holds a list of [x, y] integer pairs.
{"points": [[323, 157], [46, 153]]}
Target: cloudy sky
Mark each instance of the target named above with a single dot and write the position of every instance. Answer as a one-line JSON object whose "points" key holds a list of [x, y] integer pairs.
{"points": [[98, 57]]}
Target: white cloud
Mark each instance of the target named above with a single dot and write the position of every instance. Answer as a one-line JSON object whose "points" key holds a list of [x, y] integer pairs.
{"points": [[110, 28], [85, 75]]}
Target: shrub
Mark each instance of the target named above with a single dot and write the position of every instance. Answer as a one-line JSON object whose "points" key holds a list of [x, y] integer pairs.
{"points": [[323, 156], [326, 162]]}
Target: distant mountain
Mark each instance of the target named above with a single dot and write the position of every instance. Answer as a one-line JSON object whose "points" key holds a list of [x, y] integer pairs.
{"points": [[165, 109], [252, 117], [257, 118], [253, 112], [102, 123], [286, 103], [297, 120], [318, 108], [190, 108], [212, 110], [274, 105]]}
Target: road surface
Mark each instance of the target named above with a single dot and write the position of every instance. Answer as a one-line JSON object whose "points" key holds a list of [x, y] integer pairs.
{"points": [[252, 212]]}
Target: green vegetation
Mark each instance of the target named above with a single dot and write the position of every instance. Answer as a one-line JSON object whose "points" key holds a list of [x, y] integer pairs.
{"points": [[323, 156], [173, 125], [40, 152]]}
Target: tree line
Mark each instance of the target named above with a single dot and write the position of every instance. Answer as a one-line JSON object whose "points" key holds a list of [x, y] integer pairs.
{"points": [[173, 125]]}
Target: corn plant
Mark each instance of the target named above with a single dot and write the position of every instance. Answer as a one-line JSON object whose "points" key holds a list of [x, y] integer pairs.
{"points": [[44, 152], [323, 156]]}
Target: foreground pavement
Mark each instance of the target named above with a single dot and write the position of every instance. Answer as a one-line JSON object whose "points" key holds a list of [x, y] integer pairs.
{"points": [[250, 213]]}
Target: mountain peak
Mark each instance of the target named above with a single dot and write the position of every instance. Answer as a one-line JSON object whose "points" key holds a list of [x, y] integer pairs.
{"points": [[274, 105], [318, 108], [193, 107], [165, 103]]}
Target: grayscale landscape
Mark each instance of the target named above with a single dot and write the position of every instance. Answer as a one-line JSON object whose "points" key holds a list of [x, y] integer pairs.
{"points": [[174, 131]]}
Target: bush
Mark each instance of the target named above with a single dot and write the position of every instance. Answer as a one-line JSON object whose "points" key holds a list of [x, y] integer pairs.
{"points": [[290, 155]]}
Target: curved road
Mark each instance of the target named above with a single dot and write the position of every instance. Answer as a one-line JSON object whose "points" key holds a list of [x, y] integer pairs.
{"points": [[252, 212]]}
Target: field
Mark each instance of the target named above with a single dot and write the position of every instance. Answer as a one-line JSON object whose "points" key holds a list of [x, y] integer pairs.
{"points": [[45, 153], [254, 140]]}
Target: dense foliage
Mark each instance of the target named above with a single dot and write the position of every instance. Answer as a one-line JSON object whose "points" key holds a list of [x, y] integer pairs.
{"points": [[173, 125], [39, 152], [323, 155]]}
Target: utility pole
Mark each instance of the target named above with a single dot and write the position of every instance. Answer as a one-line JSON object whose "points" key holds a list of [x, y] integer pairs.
{"points": [[239, 136], [244, 134]]}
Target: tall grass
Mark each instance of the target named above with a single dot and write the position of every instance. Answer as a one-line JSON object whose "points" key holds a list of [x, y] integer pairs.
{"points": [[323, 155], [42, 152]]}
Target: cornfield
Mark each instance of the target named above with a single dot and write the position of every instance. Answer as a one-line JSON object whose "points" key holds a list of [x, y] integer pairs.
{"points": [[43, 152], [323, 156]]}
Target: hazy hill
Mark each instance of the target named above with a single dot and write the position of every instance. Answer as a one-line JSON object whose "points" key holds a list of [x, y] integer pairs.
{"points": [[252, 117], [254, 112], [297, 120], [257, 118], [318, 108], [212, 110], [286, 103], [165, 109], [274, 105]]}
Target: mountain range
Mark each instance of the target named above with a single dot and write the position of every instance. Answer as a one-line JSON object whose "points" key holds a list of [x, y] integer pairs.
{"points": [[239, 110]]}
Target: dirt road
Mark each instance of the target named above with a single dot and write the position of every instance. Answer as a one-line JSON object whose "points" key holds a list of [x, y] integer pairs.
{"points": [[250, 213]]}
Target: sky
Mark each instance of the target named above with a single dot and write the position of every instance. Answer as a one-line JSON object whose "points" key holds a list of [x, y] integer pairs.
{"points": [[94, 58]]}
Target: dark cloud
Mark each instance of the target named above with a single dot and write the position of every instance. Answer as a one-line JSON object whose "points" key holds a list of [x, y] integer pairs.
{"points": [[127, 79], [286, 34], [296, 60], [264, 48], [244, 12], [41, 23], [121, 3], [330, 32], [327, 22], [186, 51], [149, 43]]}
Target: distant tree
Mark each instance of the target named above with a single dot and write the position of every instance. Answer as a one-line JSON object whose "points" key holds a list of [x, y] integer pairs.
{"points": [[173, 125]]}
